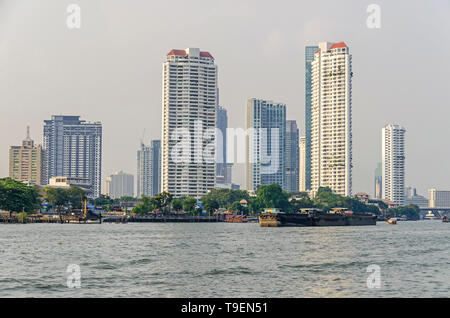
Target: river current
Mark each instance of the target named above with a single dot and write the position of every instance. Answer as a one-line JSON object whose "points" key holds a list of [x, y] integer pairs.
{"points": [[224, 260]]}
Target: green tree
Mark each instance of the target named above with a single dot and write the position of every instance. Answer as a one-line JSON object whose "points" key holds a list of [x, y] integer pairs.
{"points": [[225, 197], [411, 211], [166, 199], [102, 201], [255, 205], [146, 205], [162, 200], [237, 206], [210, 204], [76, 197], [304, 203], [189, 205], [272, 196], [177, 205], [127, 199], [58, 198], [15, 196]]}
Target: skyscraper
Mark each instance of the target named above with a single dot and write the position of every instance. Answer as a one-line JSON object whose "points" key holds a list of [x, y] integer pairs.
{"points": [[149, 169], [292, 156], [393, 165], [25, 162], [188, 123], [266, 142], [73, 148], [309, 57], [223, 169], [331, 118], [378, 181], [302, 172], [119, 184]]}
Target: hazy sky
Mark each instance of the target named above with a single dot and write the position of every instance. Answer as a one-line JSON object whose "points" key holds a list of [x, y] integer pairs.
{"points": [[110, 70]]}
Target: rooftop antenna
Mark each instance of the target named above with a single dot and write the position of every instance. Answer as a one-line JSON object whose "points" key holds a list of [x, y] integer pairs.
{"points": [[28, 132]]}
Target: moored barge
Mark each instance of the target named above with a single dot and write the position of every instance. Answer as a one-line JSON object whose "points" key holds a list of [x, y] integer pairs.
{"points": [[314, 217]]}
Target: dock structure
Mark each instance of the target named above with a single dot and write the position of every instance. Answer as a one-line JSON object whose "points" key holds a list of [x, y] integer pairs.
{"points": [[166, 219], [79, 219]]}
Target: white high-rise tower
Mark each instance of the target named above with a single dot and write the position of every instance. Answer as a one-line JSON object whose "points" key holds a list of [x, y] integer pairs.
{"points": [[188, 117], [331, 118], [393, 166]]}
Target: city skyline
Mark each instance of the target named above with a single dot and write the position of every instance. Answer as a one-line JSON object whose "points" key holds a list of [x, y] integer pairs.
{"points": [[385, 88]]}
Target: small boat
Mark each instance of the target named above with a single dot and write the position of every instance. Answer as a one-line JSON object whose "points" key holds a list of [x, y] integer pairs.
{"points": [[431, 216], [445, 219], [392, 221]]}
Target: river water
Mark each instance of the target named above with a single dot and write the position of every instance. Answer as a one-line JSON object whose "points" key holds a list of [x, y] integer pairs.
{"points": [[224, 260]]}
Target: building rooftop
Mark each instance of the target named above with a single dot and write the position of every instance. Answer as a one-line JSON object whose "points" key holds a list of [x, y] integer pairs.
{"points": [[188, 52]]}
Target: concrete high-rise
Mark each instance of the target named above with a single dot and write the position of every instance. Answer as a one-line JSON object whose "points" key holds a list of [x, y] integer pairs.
{"points": [[331, 118], [309, 57], [189, 122], [266, 142], [302, 172], [223, 169], [119, 184], [26, 162], [149, 169], [393, 163], [439, 198], [292, 156], [73, 148]]}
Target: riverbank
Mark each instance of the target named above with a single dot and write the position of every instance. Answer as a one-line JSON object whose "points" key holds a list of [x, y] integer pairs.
{"points": [[114, 219]]}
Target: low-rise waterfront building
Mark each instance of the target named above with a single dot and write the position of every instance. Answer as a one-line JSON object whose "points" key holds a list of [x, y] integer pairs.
{"points": [[67, 182]]}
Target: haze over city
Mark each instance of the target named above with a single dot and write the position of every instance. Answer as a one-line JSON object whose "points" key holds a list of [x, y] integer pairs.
{"points": [[110, 70]]}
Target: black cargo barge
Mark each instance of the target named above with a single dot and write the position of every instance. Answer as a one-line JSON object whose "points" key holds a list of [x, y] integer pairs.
{"points": [[273, 218]]}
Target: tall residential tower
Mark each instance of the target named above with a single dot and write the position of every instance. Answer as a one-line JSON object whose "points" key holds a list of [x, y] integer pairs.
{"points": [[188, 123], [73, 148], [223, 169], [302, 172], [331, 118], [266, 143], [393, 163], [149, 169], [309, 57], [292, 156]]}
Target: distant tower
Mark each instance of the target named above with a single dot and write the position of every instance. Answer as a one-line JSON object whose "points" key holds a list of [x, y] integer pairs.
{"points": [[331, 118], [189, 100], [119, 184], [266, 161], [292, 156], [223, 169], [302, 172], [378, 182], [148, 169], [26, 162], [309, 57], [73, 148], [393, 165]]}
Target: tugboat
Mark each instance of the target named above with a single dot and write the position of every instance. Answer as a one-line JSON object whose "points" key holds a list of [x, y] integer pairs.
{"points": [[315, 217]]}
